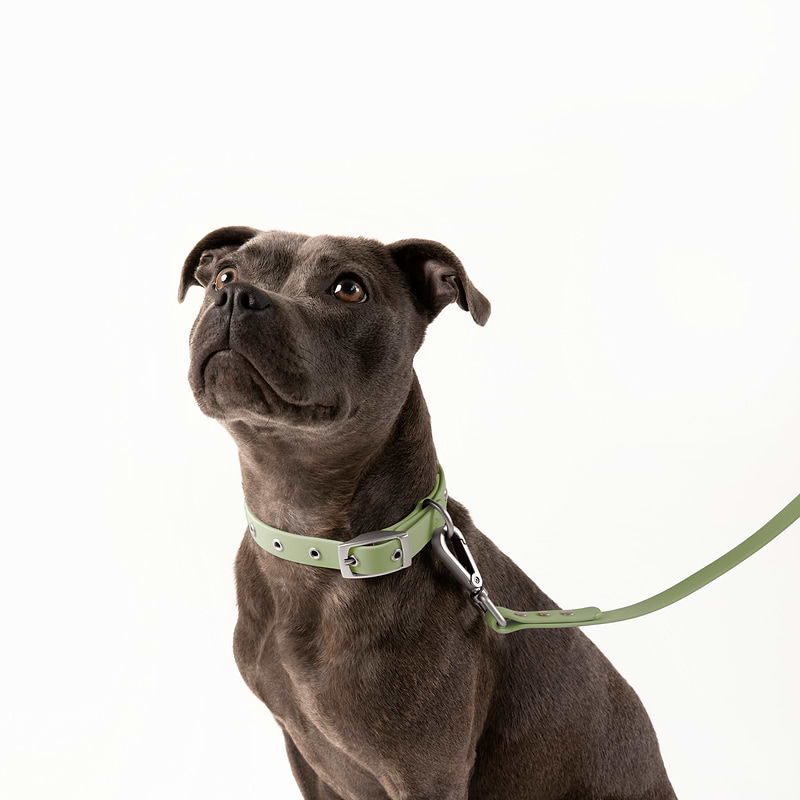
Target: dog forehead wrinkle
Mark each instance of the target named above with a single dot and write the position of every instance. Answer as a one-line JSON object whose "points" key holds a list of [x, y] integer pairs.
{"points": [[328, 250], [273, 255]]}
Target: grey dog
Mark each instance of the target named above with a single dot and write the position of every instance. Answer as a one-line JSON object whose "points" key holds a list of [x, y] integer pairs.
{"points": [[391, 687]]}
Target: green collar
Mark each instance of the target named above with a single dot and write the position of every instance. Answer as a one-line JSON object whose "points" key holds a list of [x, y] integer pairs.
{"points": [[391, 549], [368, 555]]}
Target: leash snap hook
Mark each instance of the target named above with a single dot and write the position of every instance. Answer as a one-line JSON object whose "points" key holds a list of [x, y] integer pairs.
{"points": [[450, 545]]}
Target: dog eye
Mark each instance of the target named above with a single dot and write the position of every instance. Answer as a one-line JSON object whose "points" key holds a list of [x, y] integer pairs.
{"points": [[225, 276], [349, 290]]}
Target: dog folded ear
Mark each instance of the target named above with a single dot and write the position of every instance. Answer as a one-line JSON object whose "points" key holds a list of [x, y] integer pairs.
{"points": [[208, 251], [438, 278]]}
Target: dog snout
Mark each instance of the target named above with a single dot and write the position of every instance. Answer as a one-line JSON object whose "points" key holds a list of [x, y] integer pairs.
{"points": [[242, 295]]}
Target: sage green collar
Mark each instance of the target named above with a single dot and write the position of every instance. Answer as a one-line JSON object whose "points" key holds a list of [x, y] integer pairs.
{"points": [[392, 549], [368, 555]]}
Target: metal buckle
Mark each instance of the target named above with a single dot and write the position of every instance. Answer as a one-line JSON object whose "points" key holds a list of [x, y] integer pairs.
{"points": [[373, 537]]}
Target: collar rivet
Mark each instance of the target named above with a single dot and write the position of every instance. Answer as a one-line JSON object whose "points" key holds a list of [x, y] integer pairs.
{"points": [[276, 543]]}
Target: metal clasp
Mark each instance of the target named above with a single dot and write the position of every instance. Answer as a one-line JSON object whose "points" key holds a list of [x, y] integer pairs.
{"points": [[450, 545]]}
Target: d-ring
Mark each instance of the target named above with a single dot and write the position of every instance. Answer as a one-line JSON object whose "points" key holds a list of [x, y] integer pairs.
{"points": [[445, 515]]}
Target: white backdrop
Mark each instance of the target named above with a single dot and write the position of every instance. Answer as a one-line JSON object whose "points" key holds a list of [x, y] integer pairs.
{"points": [[620, 179]]}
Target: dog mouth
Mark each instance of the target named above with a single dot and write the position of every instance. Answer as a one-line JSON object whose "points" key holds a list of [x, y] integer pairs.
{"points": [[230, 383]]}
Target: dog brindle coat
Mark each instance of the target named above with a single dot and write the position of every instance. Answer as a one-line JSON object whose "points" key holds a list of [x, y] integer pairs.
{"points": [[391, 687]]}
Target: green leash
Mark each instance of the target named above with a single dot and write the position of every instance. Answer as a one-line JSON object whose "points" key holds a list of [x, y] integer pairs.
{"points": [[377, 553], [518, 621]]}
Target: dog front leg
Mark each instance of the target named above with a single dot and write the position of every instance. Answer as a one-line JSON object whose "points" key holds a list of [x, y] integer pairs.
{"points": [[312, 787], [439, 788]]}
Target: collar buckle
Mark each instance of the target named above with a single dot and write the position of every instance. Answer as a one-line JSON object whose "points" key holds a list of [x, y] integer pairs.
{"points": [[346, 560]]}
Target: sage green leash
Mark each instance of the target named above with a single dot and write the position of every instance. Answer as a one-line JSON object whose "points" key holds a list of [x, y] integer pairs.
{"points": [[377, 553], [519, 620]]}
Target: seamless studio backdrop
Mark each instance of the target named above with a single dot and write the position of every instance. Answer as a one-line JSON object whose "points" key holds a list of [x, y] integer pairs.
{"points": [[622, 180]]}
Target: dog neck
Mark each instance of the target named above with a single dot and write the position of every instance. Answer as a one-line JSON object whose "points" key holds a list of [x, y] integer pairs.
{"points": [[307, 483]]}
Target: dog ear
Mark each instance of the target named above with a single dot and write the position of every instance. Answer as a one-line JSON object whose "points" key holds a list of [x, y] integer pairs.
{"points": [[438, 278], [208, 251]]}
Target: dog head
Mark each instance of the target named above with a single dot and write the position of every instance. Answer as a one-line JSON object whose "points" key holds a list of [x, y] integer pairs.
{"points": [[314, 331]]}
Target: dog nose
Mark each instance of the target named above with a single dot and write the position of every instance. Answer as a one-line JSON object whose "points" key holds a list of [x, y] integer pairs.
{"points": [[244, 295]]}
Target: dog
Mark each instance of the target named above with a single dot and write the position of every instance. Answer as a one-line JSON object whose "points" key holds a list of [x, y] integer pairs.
{"points": [[394, 686]]}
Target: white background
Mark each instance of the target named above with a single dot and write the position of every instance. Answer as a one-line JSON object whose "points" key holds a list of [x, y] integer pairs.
{"points": [[620, 179]]}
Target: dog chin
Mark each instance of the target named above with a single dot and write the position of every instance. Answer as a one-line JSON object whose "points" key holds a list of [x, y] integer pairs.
{"points": [[230, 388]]}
